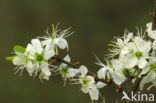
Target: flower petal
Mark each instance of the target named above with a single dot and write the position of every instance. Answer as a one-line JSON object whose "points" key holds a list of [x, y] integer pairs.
{"points": [[19, 60], [37, 45], [94, 94], [100, 85], [83, 70], [67, 58], [142, 63], [61, 43], [48, 54], [102, 73], [130, 61]]}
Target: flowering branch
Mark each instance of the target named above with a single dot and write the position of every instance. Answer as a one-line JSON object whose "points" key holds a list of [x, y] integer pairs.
{"points": [[74, 65], [129, 66]]}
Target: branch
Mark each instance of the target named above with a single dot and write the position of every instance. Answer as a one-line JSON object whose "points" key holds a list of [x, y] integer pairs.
{"points": [[153, 14], [74, 65]]}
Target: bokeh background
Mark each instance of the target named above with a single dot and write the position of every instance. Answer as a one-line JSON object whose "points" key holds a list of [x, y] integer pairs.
{"points": [[95, 22]]}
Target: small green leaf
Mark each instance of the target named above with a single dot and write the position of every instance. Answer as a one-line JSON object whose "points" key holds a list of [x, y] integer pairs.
{"points": [[10, 58], [19, 49]]}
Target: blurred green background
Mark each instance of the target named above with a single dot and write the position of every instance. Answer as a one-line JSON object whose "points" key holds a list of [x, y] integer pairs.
{"points": [[95, 22]]}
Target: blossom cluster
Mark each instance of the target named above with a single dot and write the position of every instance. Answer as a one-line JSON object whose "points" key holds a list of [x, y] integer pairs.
{"points": [[37, 58], [132, 53]]}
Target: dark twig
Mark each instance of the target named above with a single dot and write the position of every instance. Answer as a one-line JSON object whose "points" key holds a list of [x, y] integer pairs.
{"points": [[153, 14]]}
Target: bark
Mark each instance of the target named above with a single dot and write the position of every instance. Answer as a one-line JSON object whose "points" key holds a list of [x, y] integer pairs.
{"points": [[153, 14]]}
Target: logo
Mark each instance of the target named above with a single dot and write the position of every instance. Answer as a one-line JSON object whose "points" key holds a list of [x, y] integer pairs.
{"points": [[138, 97]]}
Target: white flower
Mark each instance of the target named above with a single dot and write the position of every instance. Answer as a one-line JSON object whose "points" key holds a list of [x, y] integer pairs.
{"points": [[120, 44], [105, 71], [112, 70], [66, 71], [22, 62], [40, 56], [151, 33], [88, 83], [138, 53], [150, 71], [151, 77], [57, 38], [88, 86], [151, 64]]}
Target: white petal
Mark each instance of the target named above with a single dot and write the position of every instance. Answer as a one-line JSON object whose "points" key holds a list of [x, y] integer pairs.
{"points": [[154, 45], [145, 70], [49, 44], [94, 94], [72, 72], [142, 83], [130, 61], [129, 36], [30, 68], [149, 26], [61, 43], [85, 90], [100, 85], [118, 77], [19, 60], [83, 69], [45, 69], [151, 33], [142, 63], [43, 76], [37, 45], [30, 51], [102, 73], [147, 47], [117, 64], [67, 58], [48, 54], [149, 78]]}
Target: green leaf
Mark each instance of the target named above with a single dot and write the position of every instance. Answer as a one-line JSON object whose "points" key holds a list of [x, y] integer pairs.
{"points": [[10, 58], [19, 49]]}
